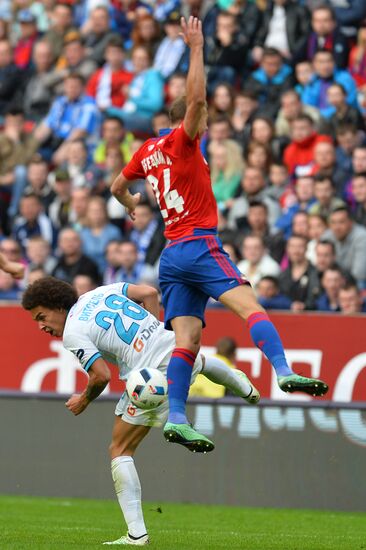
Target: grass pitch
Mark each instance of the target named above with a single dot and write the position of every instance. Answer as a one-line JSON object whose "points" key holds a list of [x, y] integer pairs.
{"points": [[46, 523]]}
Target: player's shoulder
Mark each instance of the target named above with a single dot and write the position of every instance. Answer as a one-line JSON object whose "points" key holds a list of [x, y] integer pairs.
{"points": [[179, 137], [75, 331], [147, 146]]}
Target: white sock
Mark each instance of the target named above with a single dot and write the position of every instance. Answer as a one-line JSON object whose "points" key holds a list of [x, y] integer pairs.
{"points": [[128, 491], [217, 371]]}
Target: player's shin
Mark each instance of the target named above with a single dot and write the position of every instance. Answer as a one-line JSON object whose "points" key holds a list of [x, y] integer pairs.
{"points": [[179, 374], [267, 339], [218, 372], [128, 491]]}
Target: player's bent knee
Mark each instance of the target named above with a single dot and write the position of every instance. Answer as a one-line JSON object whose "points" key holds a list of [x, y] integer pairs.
{"points": [[192, 344], [121, 449], [188, 331], [241, 300], [126, 438]]}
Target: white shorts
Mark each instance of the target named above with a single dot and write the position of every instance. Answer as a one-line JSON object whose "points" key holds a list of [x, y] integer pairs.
{"points": [[153, 417]]}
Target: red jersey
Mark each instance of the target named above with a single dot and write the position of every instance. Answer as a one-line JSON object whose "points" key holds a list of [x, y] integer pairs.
{"points": [[117, 81], [179, 175]]}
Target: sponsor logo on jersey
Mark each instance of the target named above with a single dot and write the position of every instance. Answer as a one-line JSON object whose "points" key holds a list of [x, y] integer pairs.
{"points": [[144, 335], [138, 345], [131, 410]]}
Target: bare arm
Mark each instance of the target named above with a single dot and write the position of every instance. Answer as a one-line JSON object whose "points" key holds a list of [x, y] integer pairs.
{"points": [[145, 295], [119, 189], [15, 269], [99, 376], [196, 82], [42, 132], [60, 155], [8, 178]]}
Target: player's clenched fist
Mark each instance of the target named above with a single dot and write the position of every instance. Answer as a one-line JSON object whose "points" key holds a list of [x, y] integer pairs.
{"points": [[133, 202], [77, 404], [15, 269], [192, 32]]}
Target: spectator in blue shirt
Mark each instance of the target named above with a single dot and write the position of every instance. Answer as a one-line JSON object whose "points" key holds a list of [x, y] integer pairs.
{"points": [[332, 281], [33, 222], [350, 300], [131, 269], [326, 74], [171, 48], [269, 296], [72, 116], [9, 290], [304, 189], [270, 81], [147, 234], [99, 232], [347, 138]]}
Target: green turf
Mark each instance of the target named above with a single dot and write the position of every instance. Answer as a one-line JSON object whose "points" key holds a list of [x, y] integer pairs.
{"points": [[75, 523]]}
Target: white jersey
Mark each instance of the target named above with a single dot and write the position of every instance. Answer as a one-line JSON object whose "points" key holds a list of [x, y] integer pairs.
{"points": [[106, 323]]}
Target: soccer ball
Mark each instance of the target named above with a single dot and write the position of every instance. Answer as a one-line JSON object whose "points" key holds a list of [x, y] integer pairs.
{"points": [[147, 388]]}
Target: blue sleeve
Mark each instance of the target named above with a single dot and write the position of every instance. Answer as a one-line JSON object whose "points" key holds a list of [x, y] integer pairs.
{"points": [[125, 289], [116, 233], [277, 302], [165, 8], [91, 360], [351, 89], [351, 14], [308, 95], [50, 120], [88, 118], [284, 222], [327, 112]]}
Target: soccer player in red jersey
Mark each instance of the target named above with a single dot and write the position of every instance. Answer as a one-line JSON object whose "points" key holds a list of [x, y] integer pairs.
{"points": [[194, 266]]}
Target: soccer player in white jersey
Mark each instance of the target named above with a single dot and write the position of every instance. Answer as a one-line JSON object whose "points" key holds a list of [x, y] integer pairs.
{"points": [[119, 323]]}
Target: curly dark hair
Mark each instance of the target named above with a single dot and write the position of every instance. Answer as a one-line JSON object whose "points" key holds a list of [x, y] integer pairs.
{"points": [[51, 293]]}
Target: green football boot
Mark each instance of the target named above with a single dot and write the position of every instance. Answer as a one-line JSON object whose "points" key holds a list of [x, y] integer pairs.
{"points": [[254, 395], [295, 382], [127, 540], [185, 435]]}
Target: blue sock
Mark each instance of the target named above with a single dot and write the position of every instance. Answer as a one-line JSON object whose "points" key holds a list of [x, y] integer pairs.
{"points": [[179, 378], [267, 339]]}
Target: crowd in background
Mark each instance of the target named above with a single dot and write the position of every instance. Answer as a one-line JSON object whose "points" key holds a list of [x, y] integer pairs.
{"points": [[84, 83]]}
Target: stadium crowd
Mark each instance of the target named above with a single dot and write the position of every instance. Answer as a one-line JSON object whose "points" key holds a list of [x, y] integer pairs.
{"points": [[83, 83]]}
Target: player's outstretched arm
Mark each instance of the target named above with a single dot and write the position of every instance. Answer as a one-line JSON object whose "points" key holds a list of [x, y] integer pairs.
{"points": [[15, 269], [146, 295], [120, 190], [99, 376], [196, 82]]}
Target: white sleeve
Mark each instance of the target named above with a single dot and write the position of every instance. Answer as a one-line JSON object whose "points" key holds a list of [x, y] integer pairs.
{"points": [[119, 288], [81, 346]]}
